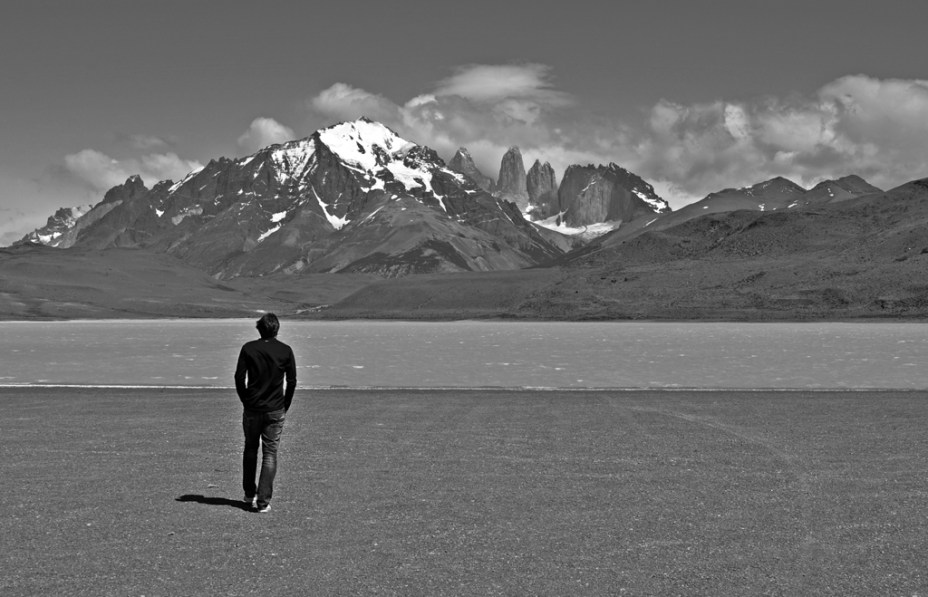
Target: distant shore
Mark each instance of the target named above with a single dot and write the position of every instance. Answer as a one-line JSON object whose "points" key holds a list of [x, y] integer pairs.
{"points": [[135, 491], [471, 317]]}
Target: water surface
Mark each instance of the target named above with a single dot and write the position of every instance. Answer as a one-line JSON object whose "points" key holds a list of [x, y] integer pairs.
{"points": [[473, 354]]}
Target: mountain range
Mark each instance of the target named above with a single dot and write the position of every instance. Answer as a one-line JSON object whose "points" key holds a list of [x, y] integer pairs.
{"points": [[422, 238], [356, 197]]}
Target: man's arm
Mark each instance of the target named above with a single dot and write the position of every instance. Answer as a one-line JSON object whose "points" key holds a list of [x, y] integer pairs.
{"points": [[291, 381], [241, 372]]}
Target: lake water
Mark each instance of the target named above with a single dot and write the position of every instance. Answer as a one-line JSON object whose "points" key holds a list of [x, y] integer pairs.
{"points": [[472, 354]]}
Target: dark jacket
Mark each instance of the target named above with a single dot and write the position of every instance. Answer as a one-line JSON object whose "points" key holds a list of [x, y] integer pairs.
{"points": [[265, 363]]}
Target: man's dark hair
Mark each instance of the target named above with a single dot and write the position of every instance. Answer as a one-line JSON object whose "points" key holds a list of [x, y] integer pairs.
{"points": [[268, 325]]}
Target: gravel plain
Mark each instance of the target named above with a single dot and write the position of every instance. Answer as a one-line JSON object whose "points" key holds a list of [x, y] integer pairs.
{"points": [[135, 492]]}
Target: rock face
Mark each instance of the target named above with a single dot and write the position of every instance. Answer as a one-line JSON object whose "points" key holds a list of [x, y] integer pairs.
{"points": [[595, 194], [511, 185], [354, 197], [57, 226], [541, 185], [463, 163]]}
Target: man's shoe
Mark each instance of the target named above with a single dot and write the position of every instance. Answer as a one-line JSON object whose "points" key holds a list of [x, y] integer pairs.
{"points": [[251, 501], [263, 509]]}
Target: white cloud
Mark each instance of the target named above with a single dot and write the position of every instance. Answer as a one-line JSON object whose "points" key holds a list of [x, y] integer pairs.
{"points": [[263, 132], [95, 168], [155, 167], [344, 102], [486, 108], [101, 172], [147, 142], [503, 83], [26, 204], [856, 124]]}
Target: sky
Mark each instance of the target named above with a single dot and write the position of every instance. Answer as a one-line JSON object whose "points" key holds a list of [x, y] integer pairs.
{"points": [[694, 96]]}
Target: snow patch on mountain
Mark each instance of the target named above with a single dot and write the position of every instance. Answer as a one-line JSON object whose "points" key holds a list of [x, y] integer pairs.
{"points": [[191, 211], [649, 197], [336, 222], [186, 179], [557, 224], [354, 143], [269, 232], [292, 159], [411, 178]]}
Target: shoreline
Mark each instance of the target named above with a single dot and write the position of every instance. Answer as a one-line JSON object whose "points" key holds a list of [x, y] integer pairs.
{"points": [[501, 318], [466, 389]]}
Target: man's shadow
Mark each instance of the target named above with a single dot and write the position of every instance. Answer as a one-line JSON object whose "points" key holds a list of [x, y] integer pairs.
{"points": [[215, 501]]}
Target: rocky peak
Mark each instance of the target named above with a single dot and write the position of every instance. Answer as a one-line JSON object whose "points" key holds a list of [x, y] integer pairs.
{"points": [[462, 159], [638, 187], [420, 155], [776, 185], [541, 186], [64, 215], [463, 163], [355, 142], [130, 189], [856, 184], [56, 226], [844, 188], [512, 182], [595, 194]]}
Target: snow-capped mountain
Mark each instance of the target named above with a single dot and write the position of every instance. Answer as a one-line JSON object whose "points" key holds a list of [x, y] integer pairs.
{"points": [[589, 202], [594, 194], [352, 197]]}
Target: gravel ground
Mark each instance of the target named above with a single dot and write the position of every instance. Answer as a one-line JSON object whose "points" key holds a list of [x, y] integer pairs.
{"points": [[134, 492]]}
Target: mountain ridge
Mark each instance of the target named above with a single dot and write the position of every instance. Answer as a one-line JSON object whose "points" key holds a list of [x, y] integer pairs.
{"points": [[862, 258], [305, 205]]}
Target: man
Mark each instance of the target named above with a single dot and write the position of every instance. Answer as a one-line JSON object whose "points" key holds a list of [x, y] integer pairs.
{"points": [[262, 367]]}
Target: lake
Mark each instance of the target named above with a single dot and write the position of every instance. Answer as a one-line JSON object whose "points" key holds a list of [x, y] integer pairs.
{"points": [[476, 354]]}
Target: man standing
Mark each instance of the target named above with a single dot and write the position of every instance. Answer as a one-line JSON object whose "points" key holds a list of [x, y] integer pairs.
{"points": [[265, 364]]}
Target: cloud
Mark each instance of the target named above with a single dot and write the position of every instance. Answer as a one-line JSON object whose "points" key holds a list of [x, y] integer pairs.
{"points": [[95, 168], [101, 172], [503, 83], [856, 124], [509, 94], [486, 108], [26, 204], [263, 132], [877, 128], [344, 102], [147, 142]]}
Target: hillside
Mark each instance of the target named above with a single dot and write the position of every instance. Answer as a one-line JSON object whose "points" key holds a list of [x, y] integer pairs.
{"points": [[858, 258], [38, 282]]}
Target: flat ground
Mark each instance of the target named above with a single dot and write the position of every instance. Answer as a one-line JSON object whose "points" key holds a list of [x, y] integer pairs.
{"points": [[134, 492]]}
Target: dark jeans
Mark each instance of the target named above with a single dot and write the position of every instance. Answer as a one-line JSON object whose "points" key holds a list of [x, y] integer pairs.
{"points": [[261, 429]]}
